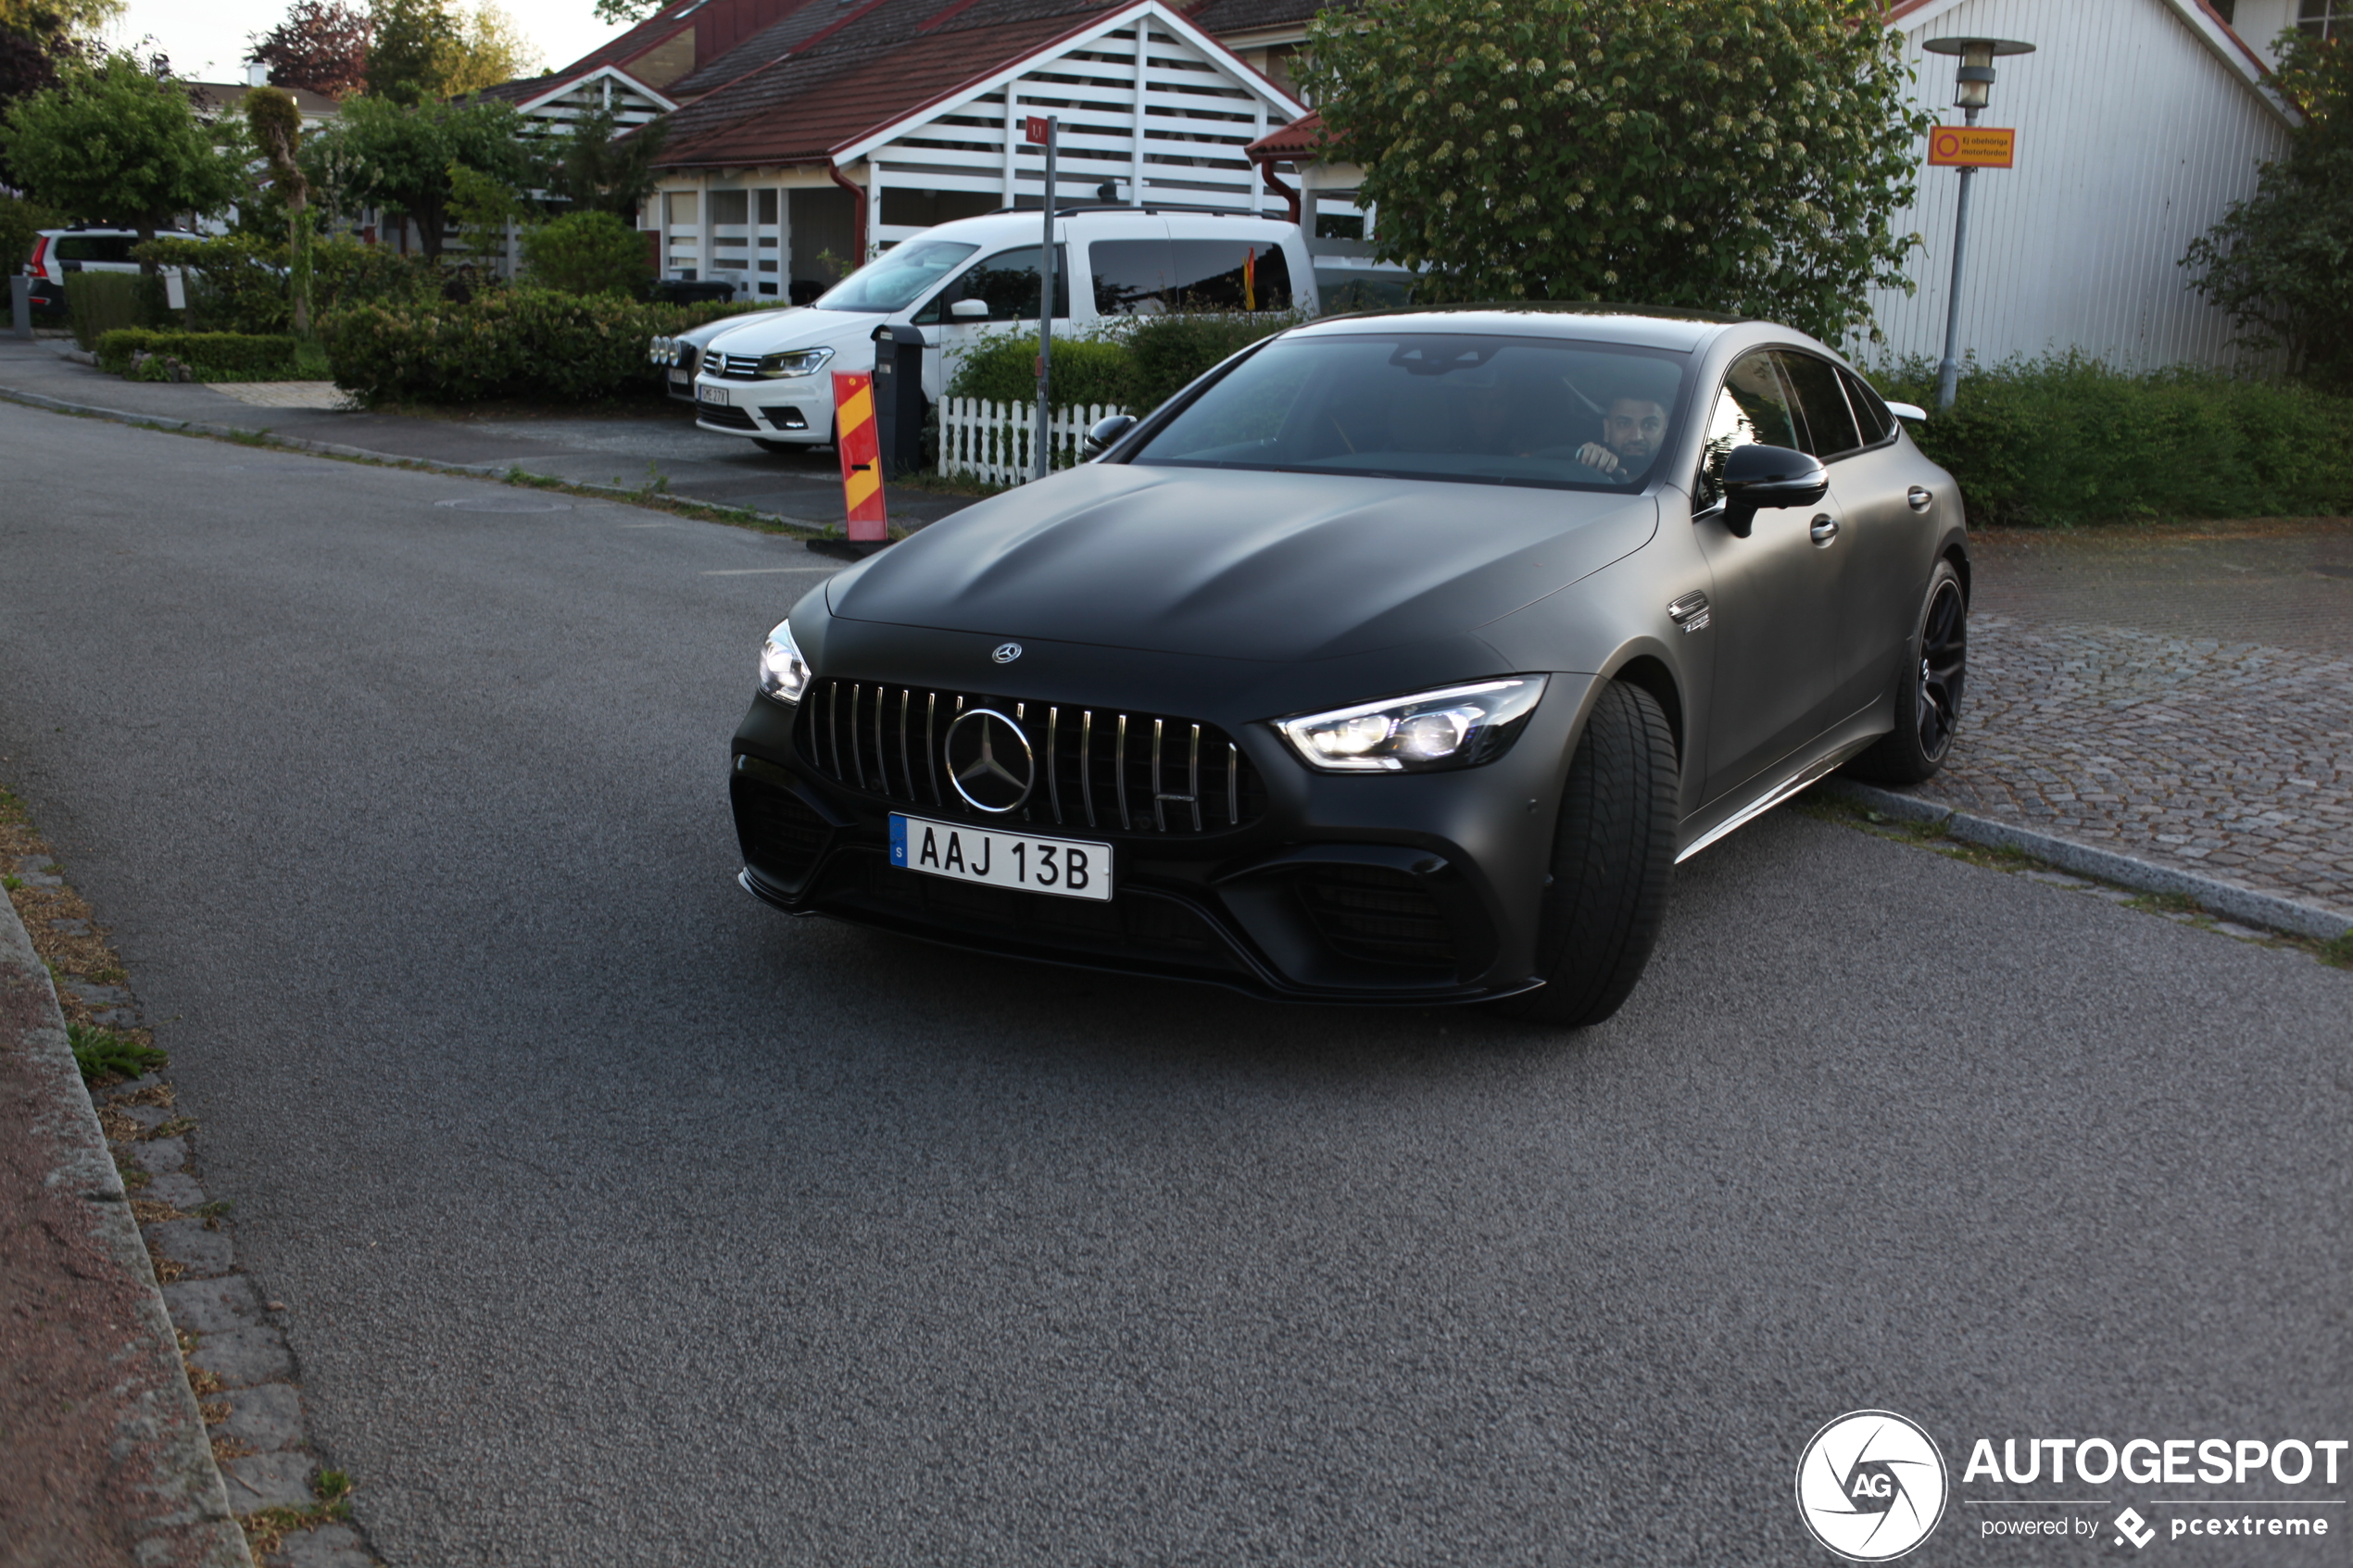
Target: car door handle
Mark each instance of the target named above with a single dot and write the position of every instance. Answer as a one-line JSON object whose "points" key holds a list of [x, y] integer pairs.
{"points": [[1825, 529], [1919, 500]]}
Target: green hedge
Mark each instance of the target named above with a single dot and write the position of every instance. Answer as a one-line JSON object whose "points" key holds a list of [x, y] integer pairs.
{"points": [[99, 303], [234, 283], [2064, 440], [214, 356], [518, 342], [1135, 363]]}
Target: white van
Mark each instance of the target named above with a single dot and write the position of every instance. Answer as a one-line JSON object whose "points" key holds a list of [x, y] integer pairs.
{"points": [[770, 378]]}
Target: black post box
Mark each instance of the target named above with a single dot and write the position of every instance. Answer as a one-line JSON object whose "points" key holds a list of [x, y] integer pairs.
{"points": [[899, 398]]}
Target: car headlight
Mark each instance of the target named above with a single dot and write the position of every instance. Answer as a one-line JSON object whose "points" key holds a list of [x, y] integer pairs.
{"points": [[797, 362], [1453, 727], [784, 674], [660, 352]]}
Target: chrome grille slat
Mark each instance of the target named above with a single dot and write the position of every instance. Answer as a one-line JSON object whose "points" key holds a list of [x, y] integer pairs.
{"points": [[1180, 760]]}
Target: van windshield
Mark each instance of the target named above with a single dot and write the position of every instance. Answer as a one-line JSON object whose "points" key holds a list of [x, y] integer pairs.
{"points": [[896, 279], [1458, 407]]}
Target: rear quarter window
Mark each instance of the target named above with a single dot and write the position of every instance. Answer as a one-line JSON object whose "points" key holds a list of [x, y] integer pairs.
{"points": [[95, 247], [1152, 277]]}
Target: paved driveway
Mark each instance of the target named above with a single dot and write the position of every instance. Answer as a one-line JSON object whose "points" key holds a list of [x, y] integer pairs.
{"points": [[622, 1221]]}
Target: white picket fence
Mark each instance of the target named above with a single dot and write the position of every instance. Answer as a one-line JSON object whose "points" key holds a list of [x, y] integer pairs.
{"points": [[996, 443]]}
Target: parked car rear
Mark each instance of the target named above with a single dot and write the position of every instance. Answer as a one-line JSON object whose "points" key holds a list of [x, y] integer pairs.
{"points": [[57, 252]]}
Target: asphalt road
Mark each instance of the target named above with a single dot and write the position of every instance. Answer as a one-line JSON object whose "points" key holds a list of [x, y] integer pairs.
{"points": [[622, 1221]]}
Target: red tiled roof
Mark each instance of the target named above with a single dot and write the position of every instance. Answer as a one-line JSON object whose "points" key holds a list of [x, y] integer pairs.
{"points": [[1302, 137]]}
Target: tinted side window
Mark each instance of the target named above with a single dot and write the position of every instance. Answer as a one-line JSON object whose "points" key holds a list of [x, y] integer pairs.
{"points": [[95, 247], [1870, 413], [1007, 282], [1752, 410], [1146, 277], [1830, 425]]}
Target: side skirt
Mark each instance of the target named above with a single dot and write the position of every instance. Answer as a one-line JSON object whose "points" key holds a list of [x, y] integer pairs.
{"points": [[1797, 778]]}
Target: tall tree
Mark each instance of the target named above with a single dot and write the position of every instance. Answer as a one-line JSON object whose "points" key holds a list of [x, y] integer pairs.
{"points": [[321, 45], [410, 48], [116, 142], [38, 38], [276, 123], [615, 13], [2282, 261], [1730, 154], [597, 170], [489, 49], [382, 153]]}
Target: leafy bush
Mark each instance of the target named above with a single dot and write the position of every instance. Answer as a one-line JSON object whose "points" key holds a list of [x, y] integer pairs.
{"points": [[1136, 362], [2065, 439], [587, 253], [235, 284], [524, 341], [98, 303], [213, 356], [345, 272], [1002, 368]]}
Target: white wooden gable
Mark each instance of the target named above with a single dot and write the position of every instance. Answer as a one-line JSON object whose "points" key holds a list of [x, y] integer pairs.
{"points": [[1149, 105], [607, 90]]}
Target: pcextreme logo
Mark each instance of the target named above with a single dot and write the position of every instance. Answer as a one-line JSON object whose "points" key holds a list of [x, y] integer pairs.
{"points": [[1872, 1486]]}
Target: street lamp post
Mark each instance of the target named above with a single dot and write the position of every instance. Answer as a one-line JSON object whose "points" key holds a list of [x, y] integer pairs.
{"points": [[1975, 78]]}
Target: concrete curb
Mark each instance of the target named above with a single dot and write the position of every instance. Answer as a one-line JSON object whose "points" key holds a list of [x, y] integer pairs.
{"points": [[336, 449], [2241, 904], [187, 1497]]}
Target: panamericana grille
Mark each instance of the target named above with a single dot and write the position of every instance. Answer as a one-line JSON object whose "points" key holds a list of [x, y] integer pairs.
{"points": [[1100, 768], [1377, 915], [718, 414], [734, 367]]}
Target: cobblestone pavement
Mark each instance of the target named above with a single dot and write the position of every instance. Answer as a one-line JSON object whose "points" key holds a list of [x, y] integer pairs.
{"points": [[2181, 694]]}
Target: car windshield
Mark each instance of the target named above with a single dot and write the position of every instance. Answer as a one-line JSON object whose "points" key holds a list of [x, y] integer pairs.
{"points": [[896, 279], [1476, 408]]}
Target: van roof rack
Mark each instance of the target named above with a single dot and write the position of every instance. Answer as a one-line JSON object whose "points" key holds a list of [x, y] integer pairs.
{"points": [[1075, 208]]}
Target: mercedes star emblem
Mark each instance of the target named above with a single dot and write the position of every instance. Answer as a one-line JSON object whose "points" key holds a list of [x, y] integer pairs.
{"points": [[989, 760], [1006, 653]]}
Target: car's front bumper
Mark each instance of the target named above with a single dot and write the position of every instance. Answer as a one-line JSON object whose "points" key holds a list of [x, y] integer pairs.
{"points": [[1393, 888], [798, 409]]}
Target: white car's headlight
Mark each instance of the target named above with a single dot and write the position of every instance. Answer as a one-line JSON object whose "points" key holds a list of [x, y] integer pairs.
{"points": [[1453, 727], [784, 674], [795, 362]]}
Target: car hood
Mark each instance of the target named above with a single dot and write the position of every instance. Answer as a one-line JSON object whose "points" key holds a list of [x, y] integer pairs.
{"points": [[1245, 565], [710, 332], [799, 328]]}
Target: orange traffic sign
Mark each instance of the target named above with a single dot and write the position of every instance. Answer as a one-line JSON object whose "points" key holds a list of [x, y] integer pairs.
{"points": [[1970, 146], [861, 448]]}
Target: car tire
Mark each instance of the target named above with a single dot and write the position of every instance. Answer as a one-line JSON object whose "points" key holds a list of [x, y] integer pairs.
{"points": [[1928, 691], [1612, 856]]}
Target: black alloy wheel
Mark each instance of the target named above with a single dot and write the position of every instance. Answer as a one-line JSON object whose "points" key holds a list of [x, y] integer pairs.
{"points": [[1927, 692], [1613, 854]]}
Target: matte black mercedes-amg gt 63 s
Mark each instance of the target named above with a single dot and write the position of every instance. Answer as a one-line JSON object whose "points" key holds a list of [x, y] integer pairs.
{"points": [[1396, 660]]}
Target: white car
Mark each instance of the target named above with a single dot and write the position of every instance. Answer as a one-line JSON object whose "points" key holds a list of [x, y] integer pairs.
{"points": [[770, 378], [57, 252]]}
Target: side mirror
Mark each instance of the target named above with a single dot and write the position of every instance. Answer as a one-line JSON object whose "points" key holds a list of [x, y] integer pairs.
{"points": [[1911, 411], [1105, 432], [969, 310], [1756, 478]]}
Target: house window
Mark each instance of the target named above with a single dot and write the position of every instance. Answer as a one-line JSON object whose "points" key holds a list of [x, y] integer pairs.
{"points": [[2327, 18]]}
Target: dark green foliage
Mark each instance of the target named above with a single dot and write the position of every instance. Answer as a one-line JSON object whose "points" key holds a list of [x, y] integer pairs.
{"points": [[102, 1055], [1167, 352], [235, 284], [347, 272], [20, 223], [2281, 262], [1137, 363], [381, 153], [408, 59], [213, 356], [521, 341], [1745, 155], [2065, 439], [1004, 369], [587, 253], [597, 173], [116, 142], [97, 303]]}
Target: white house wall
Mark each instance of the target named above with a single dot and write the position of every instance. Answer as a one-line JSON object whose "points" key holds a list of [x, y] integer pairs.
{"points": [[2133, 139], [1153, 116]]}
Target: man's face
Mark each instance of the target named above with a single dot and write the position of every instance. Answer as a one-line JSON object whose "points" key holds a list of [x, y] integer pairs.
{"points": [[1632, 428]]}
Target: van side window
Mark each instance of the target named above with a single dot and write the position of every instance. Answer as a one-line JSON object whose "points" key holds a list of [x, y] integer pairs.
{"points": [[1752, 410], [1007, 282], [1148, 277]]}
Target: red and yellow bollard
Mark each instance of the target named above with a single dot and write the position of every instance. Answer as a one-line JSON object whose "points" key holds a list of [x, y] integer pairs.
{"points": [[861, 448]]}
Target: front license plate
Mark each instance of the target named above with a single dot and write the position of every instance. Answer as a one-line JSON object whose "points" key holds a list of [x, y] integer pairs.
{"points": [[1067, 867], [680, 378], [712, 395]]}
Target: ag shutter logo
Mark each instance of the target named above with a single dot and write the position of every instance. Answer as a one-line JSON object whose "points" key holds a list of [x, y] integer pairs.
{"points": [[1872, 1486]]}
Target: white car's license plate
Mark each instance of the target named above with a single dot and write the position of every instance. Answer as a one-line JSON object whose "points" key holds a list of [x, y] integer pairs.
{"points": [[1070, 868], [710, 395]]}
